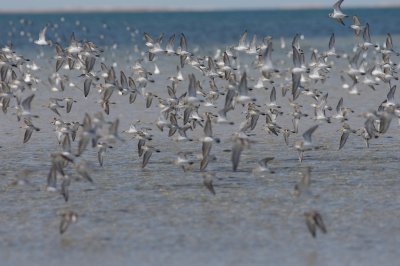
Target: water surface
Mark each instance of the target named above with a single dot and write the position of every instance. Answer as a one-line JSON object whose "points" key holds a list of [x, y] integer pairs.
{"points": [[161, 214]]}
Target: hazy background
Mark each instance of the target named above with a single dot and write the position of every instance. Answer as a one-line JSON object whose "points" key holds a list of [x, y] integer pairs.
{"points": [[18, 5]]}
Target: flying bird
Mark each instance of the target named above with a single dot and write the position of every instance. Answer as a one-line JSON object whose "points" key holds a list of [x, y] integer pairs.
{"points": [[337, 13]]}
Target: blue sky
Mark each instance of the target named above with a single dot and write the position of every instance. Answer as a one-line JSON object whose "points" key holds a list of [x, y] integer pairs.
{"points": [[179, 4]]}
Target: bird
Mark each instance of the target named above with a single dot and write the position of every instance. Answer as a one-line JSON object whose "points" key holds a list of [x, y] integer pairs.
{"points": [[182, 50], [88, 134], [356, 26], [183, 161], [286, 133], [320, 108], [262, 167], [53, 104], [331, 47], [341, 112], [297, 71], [240, 142], [169, 48], [243, 91], [192, 97], [67, 218], [147, 152], [101, 150], [154, 46], [346, 130], [272, 99], [306, 143], [208, 182], [367, 39], [42, 37], [304, 184], [337, 13], [24, 108], [29, 128], [65, 187], [313, 222], [82, 168], [69, 102], [388, 47], [265, 62], [242, 45], [208, 138]]}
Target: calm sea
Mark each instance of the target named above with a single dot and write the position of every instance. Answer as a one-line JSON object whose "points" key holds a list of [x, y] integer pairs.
{"points": [[201, 28]]}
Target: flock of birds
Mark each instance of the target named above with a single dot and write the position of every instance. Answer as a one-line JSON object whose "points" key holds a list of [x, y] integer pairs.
{"points": [[370, 65]]}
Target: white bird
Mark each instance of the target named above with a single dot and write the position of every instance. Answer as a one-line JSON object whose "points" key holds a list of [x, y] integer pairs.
{"points": [[356, 26], [243, 96], [42, 38], [337, 13], [243, 45], [306, 143], [367, 39], [262, 167]]}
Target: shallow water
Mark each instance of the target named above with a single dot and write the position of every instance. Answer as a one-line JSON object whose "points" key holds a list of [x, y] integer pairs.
{"points": [[162, 215]]}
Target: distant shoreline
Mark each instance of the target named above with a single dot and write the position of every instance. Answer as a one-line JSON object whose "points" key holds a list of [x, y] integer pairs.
{"points": [[170, 9]]}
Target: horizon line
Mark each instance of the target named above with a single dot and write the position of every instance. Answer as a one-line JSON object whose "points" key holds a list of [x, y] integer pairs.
{"points": [[144, 9]]}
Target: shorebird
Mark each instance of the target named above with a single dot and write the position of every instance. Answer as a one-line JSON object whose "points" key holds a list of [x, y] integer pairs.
{"points": [[66, 182], [242, 45], [265, 62], [272, 99], [337, 13], [192, 97], [148, 151], [82, 168], [306, 143], [297, 115], [153, 45], [42, 37], [101, 150], [297, 71], [183, 161], [262, 167], [356, 26], [169, 48], [314, 221], [29, 128], [53, 104], [367, 39], [331, 47], [346, 130], [207, 141], [24, 108], [286, 133], [67, 218], [304, 184], [182, 50], [208, 182], [388, 47], [69, 101], [240, 142], [89, 134], [243, 91]]}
